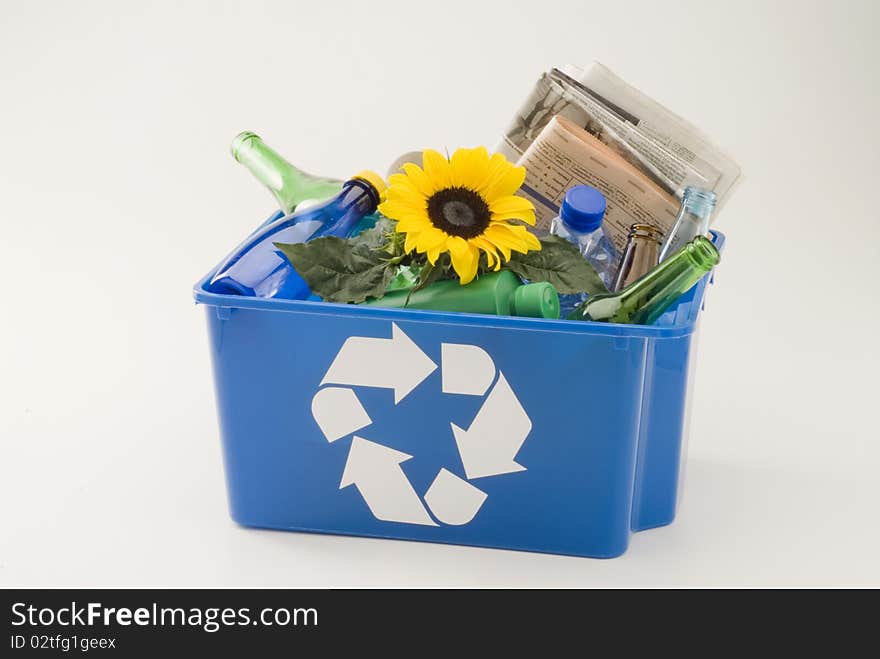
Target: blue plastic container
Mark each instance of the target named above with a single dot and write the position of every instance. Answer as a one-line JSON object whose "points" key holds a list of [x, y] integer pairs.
{"points": [[451, 428]]}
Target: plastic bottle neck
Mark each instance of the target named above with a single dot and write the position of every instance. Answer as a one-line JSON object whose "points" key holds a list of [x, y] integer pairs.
{"points": [[697, 203], [579, 232]]}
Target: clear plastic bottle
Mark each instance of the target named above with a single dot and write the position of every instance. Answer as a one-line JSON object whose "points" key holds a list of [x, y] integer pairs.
{"points": [[692, 220], [257, 268], [580, 222]]}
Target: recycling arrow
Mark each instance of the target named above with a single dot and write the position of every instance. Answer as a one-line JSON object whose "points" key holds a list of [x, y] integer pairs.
{"points": [[375, 471], [338, 412], [396, 363], [453, 500], [489, 446]]}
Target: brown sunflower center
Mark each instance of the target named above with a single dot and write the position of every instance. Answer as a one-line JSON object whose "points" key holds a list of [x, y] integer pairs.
{"points": [[459, 212]]}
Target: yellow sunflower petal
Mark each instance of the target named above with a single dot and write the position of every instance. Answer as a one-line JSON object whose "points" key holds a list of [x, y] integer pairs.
{"points": [[437, 170], [411, 222], [469, 167], [418, 178], [430, 239], [502, 175], [506, 184], [532, 241], [398, 210], [407, 195], [527, 217], [404, 181], [465, 258], [514, 236], [411, 240], [498, 167], [503, 237], [434, 254], [492, 258], [510, 204], [401, 179], [499, 239], [411, 225]]}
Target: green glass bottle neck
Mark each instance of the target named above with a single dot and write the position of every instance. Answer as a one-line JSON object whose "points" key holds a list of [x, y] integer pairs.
{"points": [[289, 185], [283, 179], [647, 298]]}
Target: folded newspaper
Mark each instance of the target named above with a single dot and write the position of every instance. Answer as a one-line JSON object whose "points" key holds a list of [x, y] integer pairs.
{"points": [[610, 135], [564, 155]]}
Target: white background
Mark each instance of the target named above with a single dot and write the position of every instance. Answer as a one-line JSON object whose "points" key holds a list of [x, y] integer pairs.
{"points": [[117, 192]]}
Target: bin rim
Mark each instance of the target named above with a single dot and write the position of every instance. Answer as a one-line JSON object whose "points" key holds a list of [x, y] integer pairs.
{"points": [[676, 323]]}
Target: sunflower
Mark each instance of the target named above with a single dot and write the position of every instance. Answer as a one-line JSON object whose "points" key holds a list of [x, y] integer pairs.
{"points": [[464, 206]]}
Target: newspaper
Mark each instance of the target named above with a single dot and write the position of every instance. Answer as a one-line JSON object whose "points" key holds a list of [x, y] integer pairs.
{"points": [[564, 155], [661, 145]]}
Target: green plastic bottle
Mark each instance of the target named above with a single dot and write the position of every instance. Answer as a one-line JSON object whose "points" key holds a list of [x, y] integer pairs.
{"points": [[499, 293], [645, 300], [290, 186]]}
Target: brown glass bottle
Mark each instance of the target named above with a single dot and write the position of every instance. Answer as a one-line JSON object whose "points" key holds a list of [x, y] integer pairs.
{"points": [[639, 256]]}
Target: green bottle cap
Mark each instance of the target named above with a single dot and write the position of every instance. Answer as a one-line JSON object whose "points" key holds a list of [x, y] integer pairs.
{"points": [[538, 300]]}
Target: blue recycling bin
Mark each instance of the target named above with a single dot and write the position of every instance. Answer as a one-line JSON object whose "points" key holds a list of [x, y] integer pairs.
{"points": [[517, 433]]}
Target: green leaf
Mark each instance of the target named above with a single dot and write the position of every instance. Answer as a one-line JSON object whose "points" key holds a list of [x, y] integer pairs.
{"points": [[376, 236], [560, 263], [340, 270]]}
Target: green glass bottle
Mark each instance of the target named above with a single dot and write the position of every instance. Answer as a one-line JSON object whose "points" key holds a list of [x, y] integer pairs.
{"points": [[290, 186], [645, 300], [499, 293]]}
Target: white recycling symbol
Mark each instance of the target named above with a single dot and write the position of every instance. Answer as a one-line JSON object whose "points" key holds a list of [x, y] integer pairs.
{"points": [[487, 448]]}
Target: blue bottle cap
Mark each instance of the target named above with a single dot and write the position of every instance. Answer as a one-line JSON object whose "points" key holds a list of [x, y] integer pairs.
{"points": [[583, 208]]}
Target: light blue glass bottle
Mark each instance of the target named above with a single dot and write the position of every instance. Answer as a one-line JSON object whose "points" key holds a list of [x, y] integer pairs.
{"points": [[258, 269], [580, 222], [692, 220]]}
